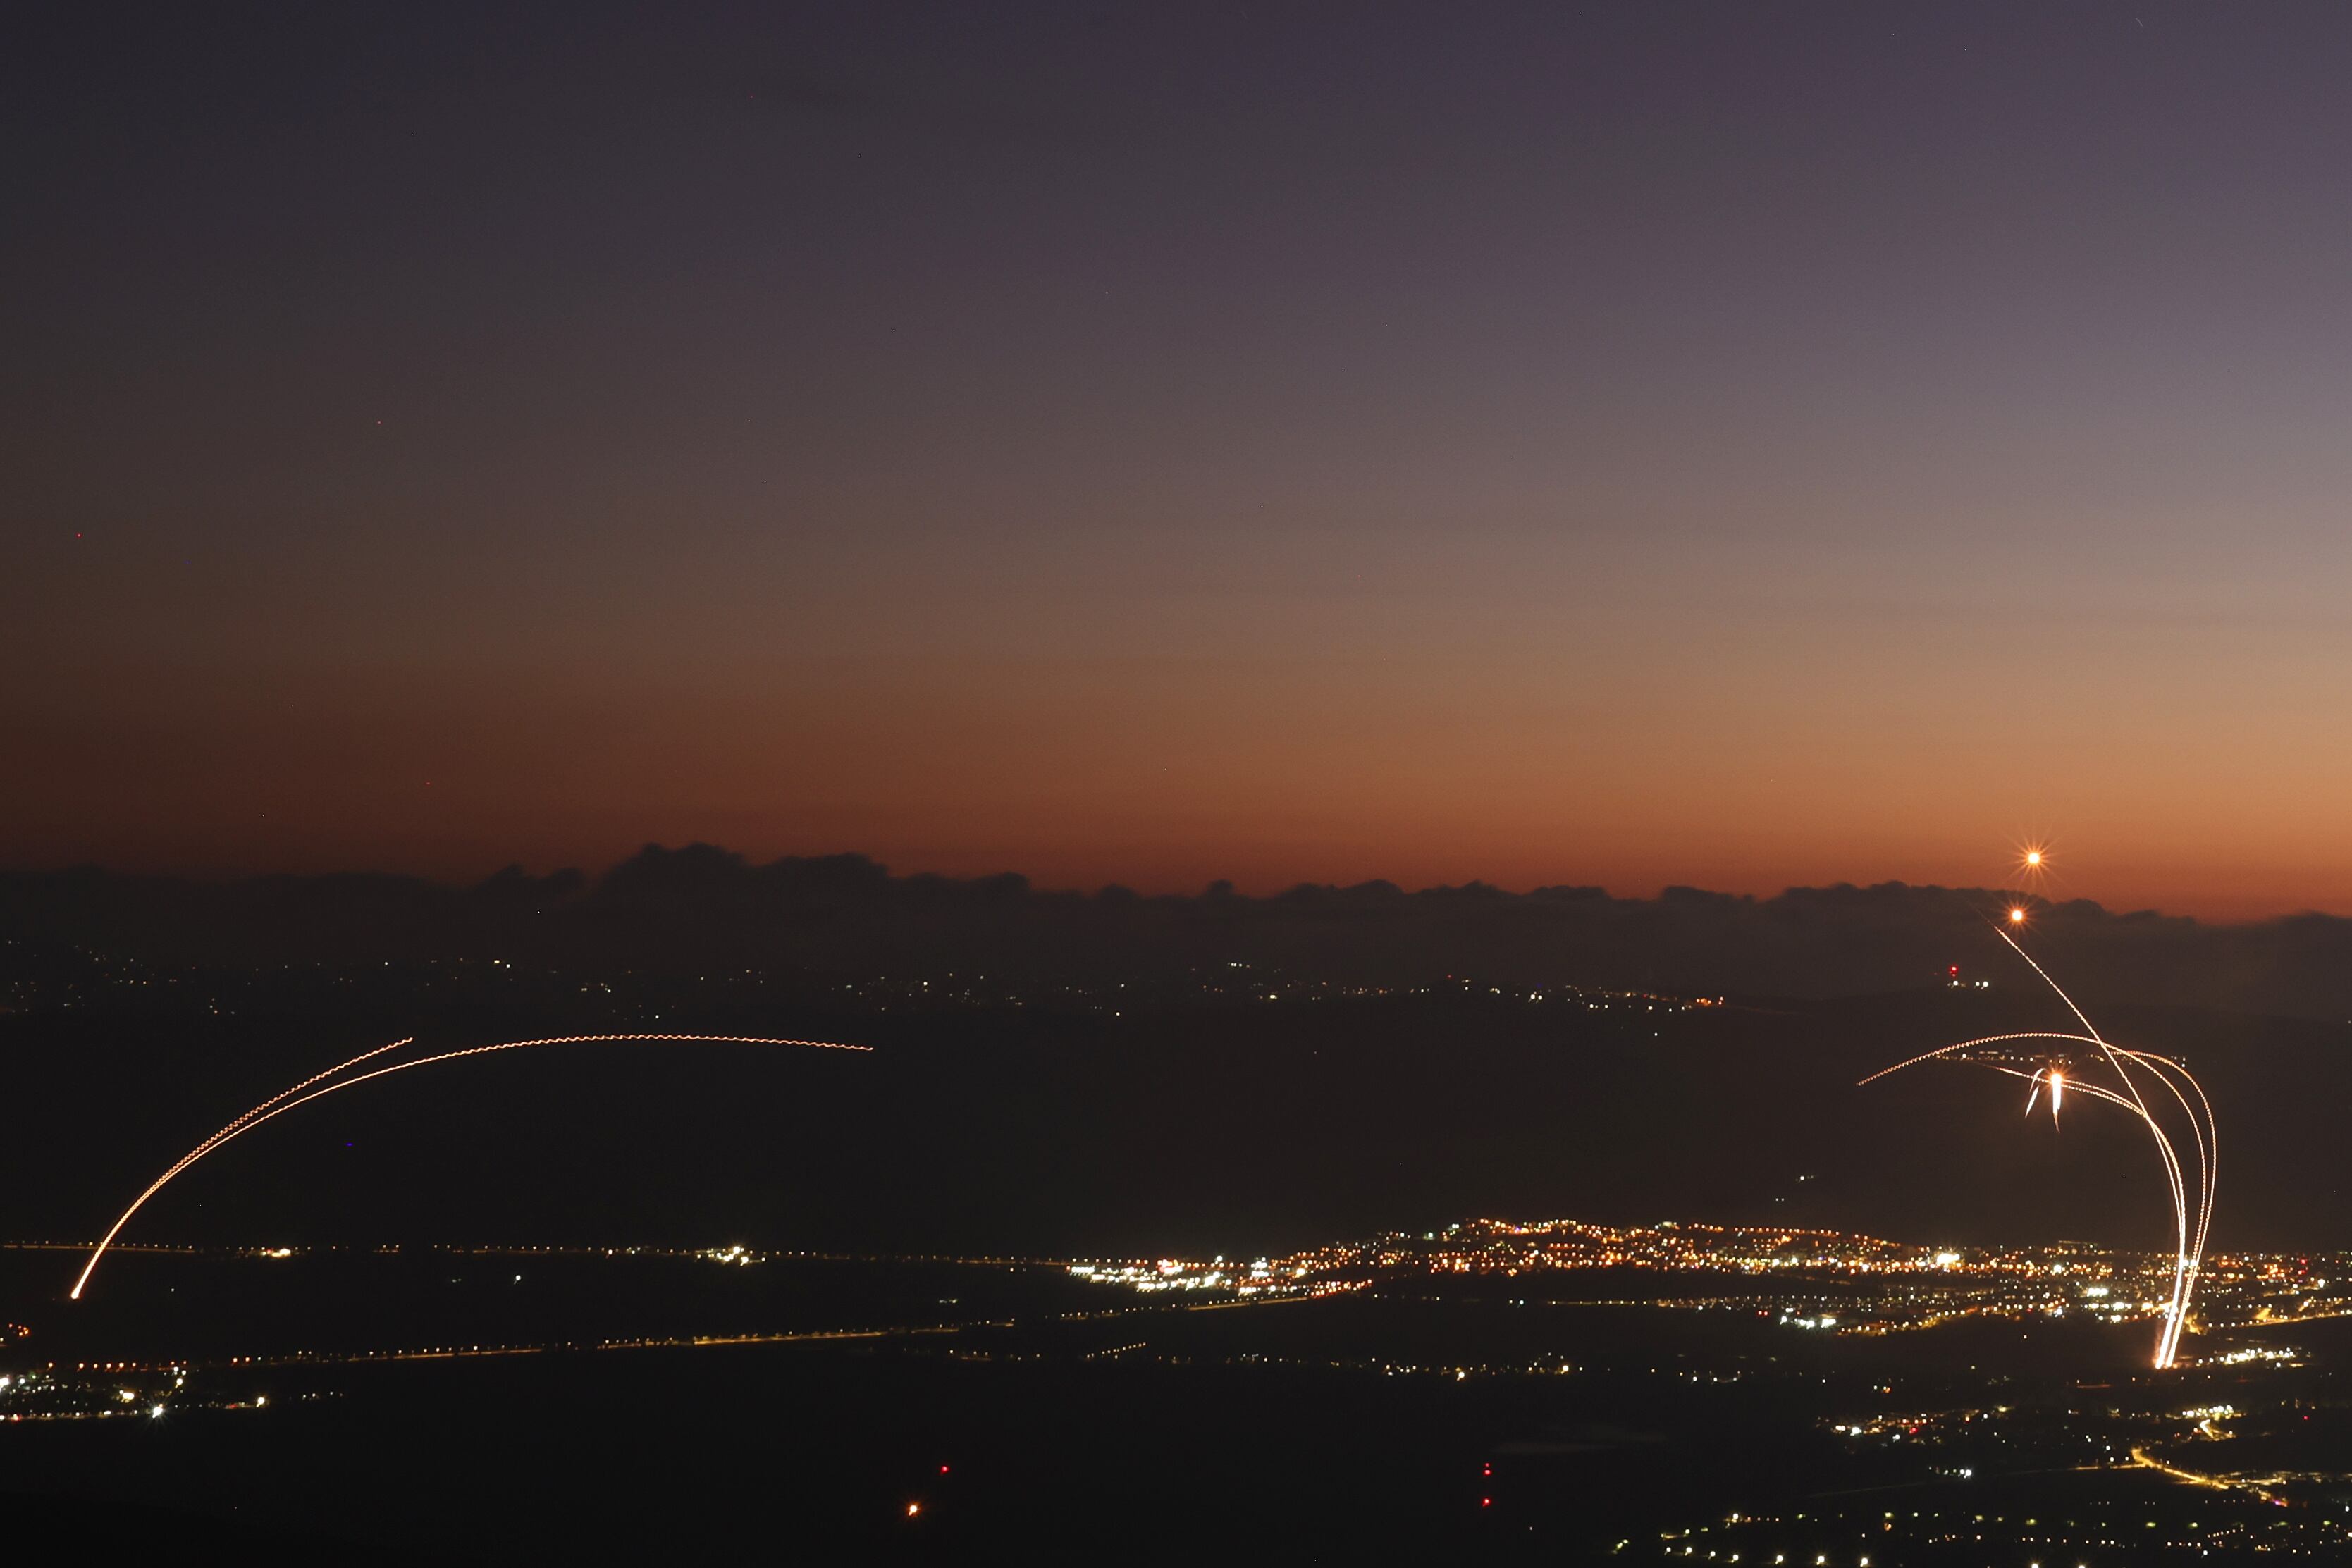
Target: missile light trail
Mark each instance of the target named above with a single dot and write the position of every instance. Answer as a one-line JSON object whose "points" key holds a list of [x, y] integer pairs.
{"points": [[319, 1084], [2064, 1057]]}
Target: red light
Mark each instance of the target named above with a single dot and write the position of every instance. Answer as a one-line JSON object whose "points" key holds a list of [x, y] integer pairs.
{"points": [[1956, 971], [943, 1469], [1485, 1503], [1485, 1469]]}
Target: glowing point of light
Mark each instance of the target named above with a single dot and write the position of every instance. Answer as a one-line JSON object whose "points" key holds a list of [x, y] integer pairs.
{"points": [[2016, 916], [913, 1508], [2033, 857]]}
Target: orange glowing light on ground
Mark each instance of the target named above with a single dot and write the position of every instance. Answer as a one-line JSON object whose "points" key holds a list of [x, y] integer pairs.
{"points": [[913, 1508], [2017, 917]]}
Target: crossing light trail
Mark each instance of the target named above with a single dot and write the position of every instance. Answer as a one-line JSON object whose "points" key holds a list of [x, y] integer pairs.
{"points": [[319, 1084], [2088, 1064]]}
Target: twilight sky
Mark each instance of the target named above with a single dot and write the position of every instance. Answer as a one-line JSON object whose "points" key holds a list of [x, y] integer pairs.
{"points": [[1732, 445]]}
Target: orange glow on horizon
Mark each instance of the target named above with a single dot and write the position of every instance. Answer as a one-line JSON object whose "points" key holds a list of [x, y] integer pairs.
{"points": [[1193, 776]]}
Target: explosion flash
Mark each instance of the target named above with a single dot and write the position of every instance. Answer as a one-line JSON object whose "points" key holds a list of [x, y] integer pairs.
{"points": [[302, 1094], [2059, 1061], [2056, 1080]]}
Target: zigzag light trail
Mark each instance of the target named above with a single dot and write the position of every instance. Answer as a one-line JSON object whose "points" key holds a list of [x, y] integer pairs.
{"points": [[2192, 1201], [286, 1098]]}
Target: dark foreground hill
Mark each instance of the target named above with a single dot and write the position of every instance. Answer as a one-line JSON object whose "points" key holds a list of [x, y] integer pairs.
{"points": [[1185, 1130]]}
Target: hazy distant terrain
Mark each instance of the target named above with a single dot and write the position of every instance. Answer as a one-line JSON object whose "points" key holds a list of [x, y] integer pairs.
{"points": [[698, 910]]}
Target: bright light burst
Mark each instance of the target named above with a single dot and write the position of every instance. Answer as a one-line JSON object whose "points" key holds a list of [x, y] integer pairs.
{"points": [[285, 1099], [2035, 867], [2059, 1061], [2033, 859]]}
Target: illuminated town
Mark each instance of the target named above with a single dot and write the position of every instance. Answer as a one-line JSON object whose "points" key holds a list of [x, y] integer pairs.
{"points": [[2218, 1454], [2200, 1452], [1816, 1279]]}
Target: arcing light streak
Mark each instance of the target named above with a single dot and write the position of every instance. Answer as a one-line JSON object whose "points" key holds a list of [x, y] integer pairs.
{"points": [[286, 1100], [2193, 1200], [200, 1150]]}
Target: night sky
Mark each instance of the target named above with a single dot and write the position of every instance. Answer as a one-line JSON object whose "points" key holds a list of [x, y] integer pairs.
{"points": [[1731, 444]]}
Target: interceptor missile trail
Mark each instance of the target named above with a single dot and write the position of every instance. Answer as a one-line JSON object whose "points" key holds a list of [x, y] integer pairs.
{"points": [[2191, 1194], [286, 1100]]}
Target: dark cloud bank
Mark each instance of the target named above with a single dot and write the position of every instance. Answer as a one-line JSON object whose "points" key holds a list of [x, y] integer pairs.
{"points": [[692, 909]]}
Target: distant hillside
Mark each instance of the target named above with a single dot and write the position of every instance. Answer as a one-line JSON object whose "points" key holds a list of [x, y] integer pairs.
{"points": [[692, 909]]}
